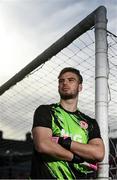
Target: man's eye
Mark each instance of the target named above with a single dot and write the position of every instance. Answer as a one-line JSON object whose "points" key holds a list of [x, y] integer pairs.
{"points": [[61, 80], [71, 80]]}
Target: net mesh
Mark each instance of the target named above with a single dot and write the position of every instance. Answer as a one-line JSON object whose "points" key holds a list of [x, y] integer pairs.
{"points": [[41, 87], [17, 105]]}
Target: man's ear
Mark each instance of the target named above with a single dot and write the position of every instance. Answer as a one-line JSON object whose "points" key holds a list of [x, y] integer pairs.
{"points": [[80, 88]]}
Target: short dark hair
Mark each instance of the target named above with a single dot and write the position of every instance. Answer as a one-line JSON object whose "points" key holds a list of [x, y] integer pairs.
{"points": [[73, 70]]}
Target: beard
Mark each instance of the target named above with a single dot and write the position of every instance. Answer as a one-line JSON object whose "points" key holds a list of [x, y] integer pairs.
{"points": [[66, 96]]}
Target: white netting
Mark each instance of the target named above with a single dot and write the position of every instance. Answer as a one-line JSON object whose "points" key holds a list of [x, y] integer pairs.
{"points": [[17, 105], [40, 87]]}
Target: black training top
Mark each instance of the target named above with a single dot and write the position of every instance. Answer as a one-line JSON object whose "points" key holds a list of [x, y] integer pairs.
{"points": [[80, 127]]}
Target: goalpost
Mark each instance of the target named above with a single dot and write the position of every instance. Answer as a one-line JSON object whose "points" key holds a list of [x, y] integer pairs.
{"points": [[97, 20], [101, 84]]}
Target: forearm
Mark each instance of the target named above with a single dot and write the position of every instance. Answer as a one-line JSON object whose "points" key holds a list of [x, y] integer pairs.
{"points": [[43, 143], [84, 150], [94, 150], [88, 151], [54, 150]]}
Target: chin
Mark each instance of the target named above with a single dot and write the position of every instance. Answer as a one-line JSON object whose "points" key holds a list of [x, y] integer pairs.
{"points": [[66, 97]]}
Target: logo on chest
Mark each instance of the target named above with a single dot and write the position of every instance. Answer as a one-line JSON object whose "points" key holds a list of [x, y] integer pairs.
{"points": [[83, 125]]}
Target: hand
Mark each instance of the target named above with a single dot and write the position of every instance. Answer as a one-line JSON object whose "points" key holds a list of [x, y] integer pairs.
{"points": [[90, 165], [77, 159]]}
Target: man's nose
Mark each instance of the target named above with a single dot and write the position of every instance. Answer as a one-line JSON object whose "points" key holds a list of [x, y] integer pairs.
{"points": [[65, 81]]}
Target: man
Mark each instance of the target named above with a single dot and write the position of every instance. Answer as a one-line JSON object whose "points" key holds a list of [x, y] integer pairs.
{"points": [[67, 143]]}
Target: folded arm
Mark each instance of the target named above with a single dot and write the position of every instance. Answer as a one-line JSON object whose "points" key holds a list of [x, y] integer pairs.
{"points": [[44, 144], [94, 150]]}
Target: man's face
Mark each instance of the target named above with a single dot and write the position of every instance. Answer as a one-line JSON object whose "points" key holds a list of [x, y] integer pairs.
{"points": [[69, 85]]}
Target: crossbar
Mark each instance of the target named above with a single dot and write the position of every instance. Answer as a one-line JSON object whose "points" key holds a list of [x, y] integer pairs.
{"points": [[56, 47]]}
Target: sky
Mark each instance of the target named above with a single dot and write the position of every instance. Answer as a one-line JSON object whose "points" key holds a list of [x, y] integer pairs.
{"points": [[28, 27]]}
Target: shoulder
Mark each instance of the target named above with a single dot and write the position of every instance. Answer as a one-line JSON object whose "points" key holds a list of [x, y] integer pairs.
{"points": [[93, 127], [44, 107], [42, 116]]}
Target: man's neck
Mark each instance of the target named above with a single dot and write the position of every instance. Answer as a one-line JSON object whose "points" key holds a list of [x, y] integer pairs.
{"points": [[69, 105]]}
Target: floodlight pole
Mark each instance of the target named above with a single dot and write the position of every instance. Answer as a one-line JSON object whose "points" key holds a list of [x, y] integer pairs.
{"points": [[101, 84]]}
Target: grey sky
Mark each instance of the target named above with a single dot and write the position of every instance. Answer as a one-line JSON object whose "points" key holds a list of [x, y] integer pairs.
{"points": [[28, 27]]}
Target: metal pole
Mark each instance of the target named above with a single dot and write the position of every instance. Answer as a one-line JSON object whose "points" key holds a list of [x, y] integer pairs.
{"points": [[101, 84]]}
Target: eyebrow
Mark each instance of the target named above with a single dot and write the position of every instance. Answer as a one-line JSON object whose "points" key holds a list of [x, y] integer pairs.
{"points": [[69, 78]]}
